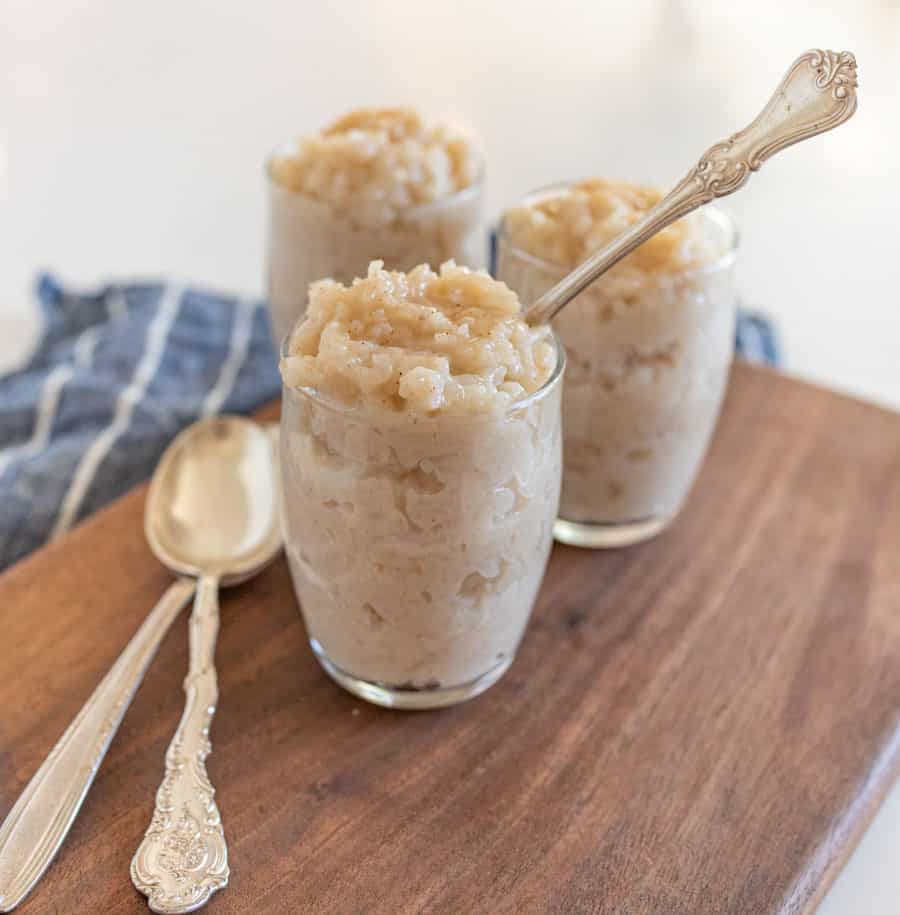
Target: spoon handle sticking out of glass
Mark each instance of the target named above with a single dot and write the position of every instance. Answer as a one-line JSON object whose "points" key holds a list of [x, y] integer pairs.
{"points": [[817, 94], [40, 819], [183, 858]]}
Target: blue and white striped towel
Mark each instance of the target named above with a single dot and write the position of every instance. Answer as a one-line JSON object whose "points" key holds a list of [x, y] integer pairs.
{"points": [[117, 374]]}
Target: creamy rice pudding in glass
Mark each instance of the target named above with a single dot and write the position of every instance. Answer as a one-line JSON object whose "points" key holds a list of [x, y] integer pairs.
{"points": [[649, 348], [421, 466], [376, 184]]}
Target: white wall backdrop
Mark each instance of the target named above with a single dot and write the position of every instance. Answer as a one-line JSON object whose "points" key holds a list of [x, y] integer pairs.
{"points": [[131, 133]]}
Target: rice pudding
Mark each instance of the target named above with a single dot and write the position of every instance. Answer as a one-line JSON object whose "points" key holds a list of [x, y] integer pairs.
{"points": [[377, 184], [649, 348], [421, 461]]}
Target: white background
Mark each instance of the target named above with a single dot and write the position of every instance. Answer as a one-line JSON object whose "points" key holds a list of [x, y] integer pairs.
{"points": [[132, 135]]}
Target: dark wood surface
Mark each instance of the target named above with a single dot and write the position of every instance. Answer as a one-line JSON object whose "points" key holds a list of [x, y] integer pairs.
{"points": [[702, 724]]}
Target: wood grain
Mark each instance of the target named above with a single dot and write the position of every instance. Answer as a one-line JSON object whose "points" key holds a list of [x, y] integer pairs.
{"points": [[702, 724]]}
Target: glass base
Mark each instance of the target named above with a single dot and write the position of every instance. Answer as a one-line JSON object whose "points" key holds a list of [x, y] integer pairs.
{"points": [[607, 536], [409, 698]]}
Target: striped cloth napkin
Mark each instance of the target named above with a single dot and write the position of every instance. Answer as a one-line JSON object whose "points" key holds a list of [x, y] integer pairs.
{"points": [[118, 373]]}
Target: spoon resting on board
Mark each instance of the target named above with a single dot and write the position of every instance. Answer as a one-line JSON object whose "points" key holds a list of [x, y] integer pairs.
{"points": [[212, 514], [817, 94], [41, 817]]}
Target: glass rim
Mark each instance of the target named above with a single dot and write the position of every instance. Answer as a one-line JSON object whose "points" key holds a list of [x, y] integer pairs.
{"points": [[336, 406], [711, 212], [463, 194]]}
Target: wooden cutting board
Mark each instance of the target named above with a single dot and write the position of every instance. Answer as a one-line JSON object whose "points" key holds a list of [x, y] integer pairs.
{"points": [[702, 724]]}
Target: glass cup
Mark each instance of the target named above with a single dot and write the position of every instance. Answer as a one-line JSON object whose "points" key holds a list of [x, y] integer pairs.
{"points": [[417, 544], [308, 241], [648, 362]]}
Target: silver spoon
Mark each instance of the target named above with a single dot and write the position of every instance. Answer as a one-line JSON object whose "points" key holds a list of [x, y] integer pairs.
{"points": [[817, 94], [212, 513], [41, 818]]}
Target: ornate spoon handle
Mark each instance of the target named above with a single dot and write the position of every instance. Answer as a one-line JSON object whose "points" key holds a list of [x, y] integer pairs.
{"points": [[183, 858], [817, 94], [40, 819]]}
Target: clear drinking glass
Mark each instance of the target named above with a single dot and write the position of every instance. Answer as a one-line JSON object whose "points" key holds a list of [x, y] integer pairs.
{"points": [[308, 241], [648, 361], [417, 544]]}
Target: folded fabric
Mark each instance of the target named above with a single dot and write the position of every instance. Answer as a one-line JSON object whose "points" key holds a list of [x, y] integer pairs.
{"points": [[756, 339], [118, 373]]}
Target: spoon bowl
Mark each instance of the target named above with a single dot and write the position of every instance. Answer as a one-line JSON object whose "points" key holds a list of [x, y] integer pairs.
{"points": [[212, 508]]}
